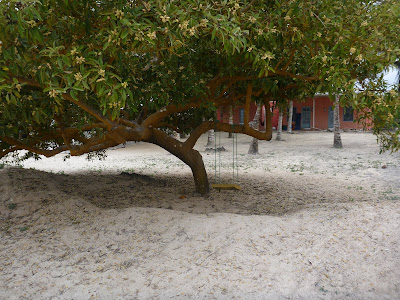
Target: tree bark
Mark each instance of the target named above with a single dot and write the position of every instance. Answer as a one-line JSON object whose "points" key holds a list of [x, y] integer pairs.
{"points": [[253, 149], [190, 157], [279, 133], [290, 117], [230, 120], [337, 140]]}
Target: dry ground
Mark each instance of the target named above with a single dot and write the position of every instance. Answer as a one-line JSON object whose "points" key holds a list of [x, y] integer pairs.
{"points": [[311, 222]]}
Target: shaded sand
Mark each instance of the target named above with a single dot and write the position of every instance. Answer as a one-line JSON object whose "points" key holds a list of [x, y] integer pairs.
{"points": [[311, 222]]}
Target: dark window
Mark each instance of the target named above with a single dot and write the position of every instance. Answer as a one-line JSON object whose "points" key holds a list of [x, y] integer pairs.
{"points": [[241, 116], [348, 114]]}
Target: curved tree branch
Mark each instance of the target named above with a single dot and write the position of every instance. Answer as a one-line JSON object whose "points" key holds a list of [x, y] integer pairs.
{"points": [[89, 110], [68, 97], [155, 118], [205, 126], [47, 153], [3, 153]]}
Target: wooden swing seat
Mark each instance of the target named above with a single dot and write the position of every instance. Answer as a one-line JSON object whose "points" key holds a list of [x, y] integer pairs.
{"points": [[234, 187]]}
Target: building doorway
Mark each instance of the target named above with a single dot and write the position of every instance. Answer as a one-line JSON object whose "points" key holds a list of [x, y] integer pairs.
{"points": [[330, 117], [306, 117]]}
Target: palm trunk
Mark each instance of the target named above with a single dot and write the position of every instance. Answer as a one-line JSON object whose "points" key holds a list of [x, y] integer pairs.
{"points": [[337, 140], [211, 138], [230, 120], [290, 118], [253, 149], [279, 134]]}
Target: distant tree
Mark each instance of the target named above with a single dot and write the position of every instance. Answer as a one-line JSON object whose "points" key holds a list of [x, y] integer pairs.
{"points": [[253, 149], [397, 64], [211, 138], [290, 117], [279, 129], [337, 139], [230, 134]]}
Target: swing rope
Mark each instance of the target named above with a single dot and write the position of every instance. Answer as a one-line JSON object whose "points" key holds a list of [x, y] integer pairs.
{"points": [[217, 179], [233, 155]]}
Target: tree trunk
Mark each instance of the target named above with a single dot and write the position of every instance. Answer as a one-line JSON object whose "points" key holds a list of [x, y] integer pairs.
{"points": [[190, 157], [337, 140], [211, 138], [253, 149], [279, 134], [195, 161], [290, 118], [230, 120]]}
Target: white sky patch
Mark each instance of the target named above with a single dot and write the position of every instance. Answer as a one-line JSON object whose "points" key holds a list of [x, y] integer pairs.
{"points": [[391, 76]]}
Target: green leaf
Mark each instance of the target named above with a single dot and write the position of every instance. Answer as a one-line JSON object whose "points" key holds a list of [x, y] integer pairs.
{"points": [[77, 88], [124, 34], [85, 85], [213, 33], [125, 22], [37, 14], [59, 62], [73, 95]]}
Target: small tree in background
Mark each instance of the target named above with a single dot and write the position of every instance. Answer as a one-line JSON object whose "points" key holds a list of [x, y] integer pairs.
{"points": [[290, 117], [337, 139], [253, 149]]}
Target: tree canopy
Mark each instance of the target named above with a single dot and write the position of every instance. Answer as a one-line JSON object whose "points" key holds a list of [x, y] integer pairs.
{"points": [[83, 76]]}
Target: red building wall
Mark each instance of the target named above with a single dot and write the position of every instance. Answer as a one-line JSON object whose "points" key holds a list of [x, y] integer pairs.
{"points": [[319, 107]]}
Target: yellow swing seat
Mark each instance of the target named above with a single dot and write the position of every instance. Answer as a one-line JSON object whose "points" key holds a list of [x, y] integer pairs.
{"points": [[234, 187]]}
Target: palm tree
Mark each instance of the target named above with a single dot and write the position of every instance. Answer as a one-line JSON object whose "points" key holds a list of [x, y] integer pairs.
{"points": [[397, 64], [253, 149], [279, 129], [230, 120], [337, 140], [290, 117], [211, 138]]}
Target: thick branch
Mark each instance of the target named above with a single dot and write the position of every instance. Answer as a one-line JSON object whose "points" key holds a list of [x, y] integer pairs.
{"points": [[28, 81], [232, 99], [127, 123], [155, 118], [205, 126], [88, 109], [291, 75], [47, 153], [218, 81], [290, 60], [68, 97], [5, 152]]}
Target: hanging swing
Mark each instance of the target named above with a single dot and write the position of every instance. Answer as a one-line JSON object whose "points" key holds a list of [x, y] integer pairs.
{"points": [[217, 179]]}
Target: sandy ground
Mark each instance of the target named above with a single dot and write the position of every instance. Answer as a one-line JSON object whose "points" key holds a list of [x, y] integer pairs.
{"points": [[311, 222]]}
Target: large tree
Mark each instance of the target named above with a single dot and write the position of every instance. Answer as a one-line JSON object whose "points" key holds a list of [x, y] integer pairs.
{"points": [[83, 76]]}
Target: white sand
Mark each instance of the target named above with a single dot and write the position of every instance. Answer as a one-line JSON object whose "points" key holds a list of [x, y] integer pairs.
{"points": [[311, 222]]}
